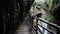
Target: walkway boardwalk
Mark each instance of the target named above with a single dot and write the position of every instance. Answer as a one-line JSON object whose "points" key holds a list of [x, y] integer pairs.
{"points": [[24, 27]]}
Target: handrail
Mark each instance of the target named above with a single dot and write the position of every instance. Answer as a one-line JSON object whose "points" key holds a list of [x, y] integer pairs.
{"points": [[40, 30], [46, 29], [51, 24]]}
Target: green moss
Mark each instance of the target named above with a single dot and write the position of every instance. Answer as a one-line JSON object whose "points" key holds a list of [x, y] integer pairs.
{"points": [[49, 18], [50, 4]]}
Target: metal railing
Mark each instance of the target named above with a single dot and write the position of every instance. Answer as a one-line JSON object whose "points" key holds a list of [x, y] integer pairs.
{"points": [[51, 24]]}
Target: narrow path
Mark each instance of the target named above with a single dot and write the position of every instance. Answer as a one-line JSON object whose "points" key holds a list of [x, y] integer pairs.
{"points": [[24, 27]]}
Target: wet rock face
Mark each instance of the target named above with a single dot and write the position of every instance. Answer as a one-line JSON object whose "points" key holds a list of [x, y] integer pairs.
{"points": [[11, 14], [56, 14]]}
